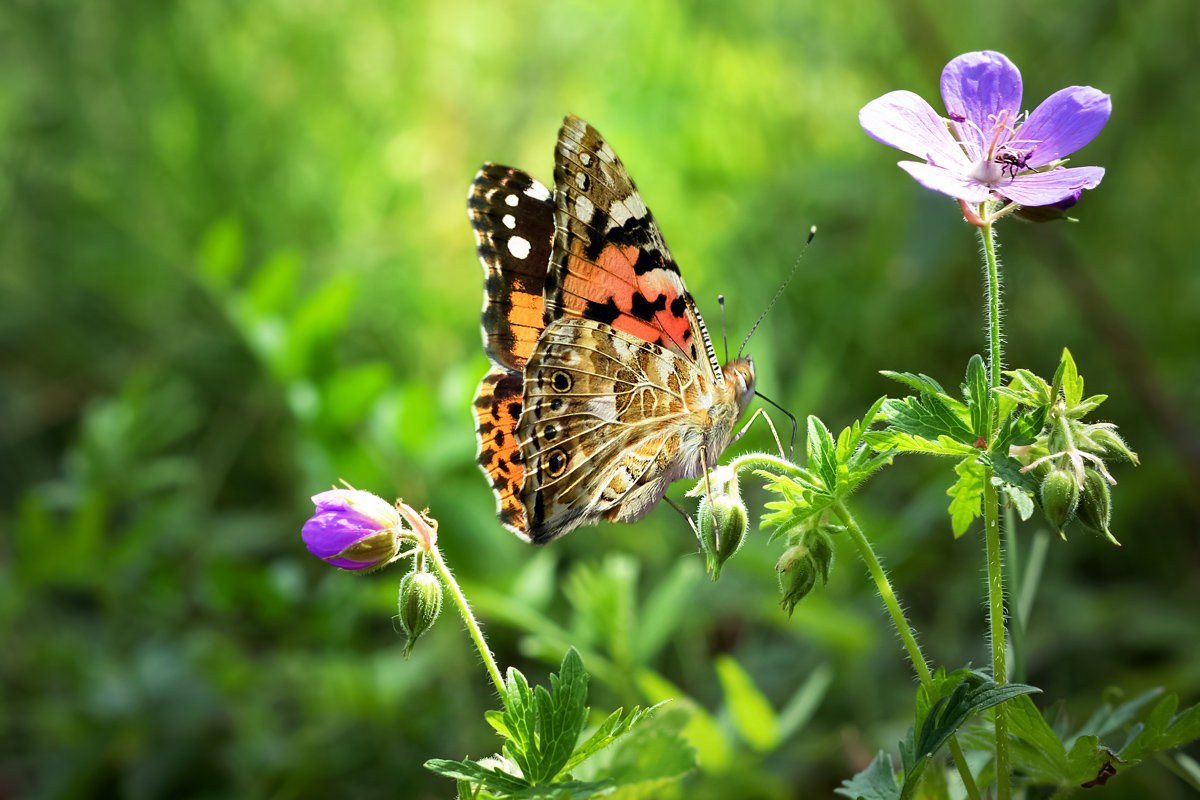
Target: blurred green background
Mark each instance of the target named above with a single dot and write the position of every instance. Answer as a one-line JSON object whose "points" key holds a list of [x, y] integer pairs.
{"points": [[235, 266]]}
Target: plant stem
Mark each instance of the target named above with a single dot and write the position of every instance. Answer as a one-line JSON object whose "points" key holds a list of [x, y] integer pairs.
{"points": [[996, 352], [905, 630], [991, 515], [469, 618]]}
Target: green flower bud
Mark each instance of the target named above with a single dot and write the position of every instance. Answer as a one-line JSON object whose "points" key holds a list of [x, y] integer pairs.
{"points": [[801, 565], [1095, 504], [1113, 445], [732, 521], [1059, 495], [797, 576], [420, 604]]}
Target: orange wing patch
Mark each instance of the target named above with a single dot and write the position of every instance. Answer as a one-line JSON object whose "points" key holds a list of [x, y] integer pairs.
{"points": [[497, 409]]}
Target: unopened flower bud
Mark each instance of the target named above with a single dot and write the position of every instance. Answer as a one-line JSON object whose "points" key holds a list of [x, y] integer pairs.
{"points": [[1095, 504], [797, 576], [1114, 446], [420, 604], [353, 530], [1060, 495], [801, 565], [728, 511]]}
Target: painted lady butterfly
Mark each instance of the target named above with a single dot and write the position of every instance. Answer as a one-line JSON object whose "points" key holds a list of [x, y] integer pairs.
{"points": [[605, 386]]}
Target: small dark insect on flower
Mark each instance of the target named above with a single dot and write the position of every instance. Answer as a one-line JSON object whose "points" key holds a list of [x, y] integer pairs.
{"points": [[1013, 161]]}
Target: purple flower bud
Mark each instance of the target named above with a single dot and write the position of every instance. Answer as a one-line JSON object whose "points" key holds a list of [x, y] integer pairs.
{"points": [[353, 530]]}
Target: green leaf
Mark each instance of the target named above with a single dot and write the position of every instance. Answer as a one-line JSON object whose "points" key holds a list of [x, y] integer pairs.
{"points": [[922, 383], [907, 443], [561, 714], [609, 731], [966, 494], [972, 695], [752, 714], [1037, 751], [519, 719], [822, 455], [493, 780], [979, 398], [1067, 378], [931, 416], [876, 782], [1163, 729]]}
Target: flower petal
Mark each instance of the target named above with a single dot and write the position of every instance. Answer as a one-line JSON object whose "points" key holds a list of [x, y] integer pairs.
{"points": [[1063, 123], [905, 121], [946, 181], [1044, 188], [329, 533], [981, 86]]}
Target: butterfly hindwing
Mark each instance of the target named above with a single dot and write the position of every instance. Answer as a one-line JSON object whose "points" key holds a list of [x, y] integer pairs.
{"points": [[498, 404], [606, 413]]}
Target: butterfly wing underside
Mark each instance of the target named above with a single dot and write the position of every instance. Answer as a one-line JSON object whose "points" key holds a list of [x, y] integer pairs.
{"points": [[594, 407]]}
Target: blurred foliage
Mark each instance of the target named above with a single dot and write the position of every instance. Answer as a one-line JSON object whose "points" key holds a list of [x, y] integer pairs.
{"points": [[235, 266]]}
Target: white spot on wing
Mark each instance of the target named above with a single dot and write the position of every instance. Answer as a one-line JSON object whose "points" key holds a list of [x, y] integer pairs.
{"points": [[537, 192], [584, 208], [585, 159], [512, 200], [581, 180], [509, 221], [519, 247], [631, 207]]}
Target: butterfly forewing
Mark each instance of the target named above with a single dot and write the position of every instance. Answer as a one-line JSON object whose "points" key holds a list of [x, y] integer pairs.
{"points": [[610, 261], [513, 218]]}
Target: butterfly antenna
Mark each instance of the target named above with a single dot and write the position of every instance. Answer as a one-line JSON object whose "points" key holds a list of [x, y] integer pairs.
{"points": [[811, 233], [724, 330], [790, 415]]}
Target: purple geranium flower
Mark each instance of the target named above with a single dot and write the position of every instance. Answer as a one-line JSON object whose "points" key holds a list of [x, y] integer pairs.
{"points": [[353, 530], [993, 151]]}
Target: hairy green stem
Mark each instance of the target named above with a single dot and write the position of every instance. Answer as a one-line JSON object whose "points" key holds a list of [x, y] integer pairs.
{"points": [[905, 630], [469, 618], [991, 514]]}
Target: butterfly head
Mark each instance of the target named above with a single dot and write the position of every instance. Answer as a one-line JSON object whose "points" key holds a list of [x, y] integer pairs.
{"points": [[739, 377]]}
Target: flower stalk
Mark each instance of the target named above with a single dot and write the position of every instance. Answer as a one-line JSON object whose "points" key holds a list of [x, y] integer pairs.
{"points": [[907, 636]]}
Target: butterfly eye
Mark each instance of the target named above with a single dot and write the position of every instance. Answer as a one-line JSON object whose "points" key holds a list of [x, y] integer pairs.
{"points": [[556, 463], [561, 381]]}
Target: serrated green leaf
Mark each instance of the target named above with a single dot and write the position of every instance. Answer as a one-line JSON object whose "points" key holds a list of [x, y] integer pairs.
{"points": [[752, 714], [609, 731], [922, 383], [876, 782], [931, 416], [493, 780], [966, 495], [1067, 377], [822, 455], [561, 714], [907, 443], [978, 397], [1163, 729], [948, 714], [1106, 719], [519, 718], [1036, 749]]}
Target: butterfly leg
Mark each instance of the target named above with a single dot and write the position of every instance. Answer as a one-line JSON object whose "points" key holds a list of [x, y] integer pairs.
{"points": [[770, 424], [683, 514]]}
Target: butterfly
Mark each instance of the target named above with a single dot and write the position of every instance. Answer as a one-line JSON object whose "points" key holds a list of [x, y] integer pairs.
{"points": [[604, 386]]}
